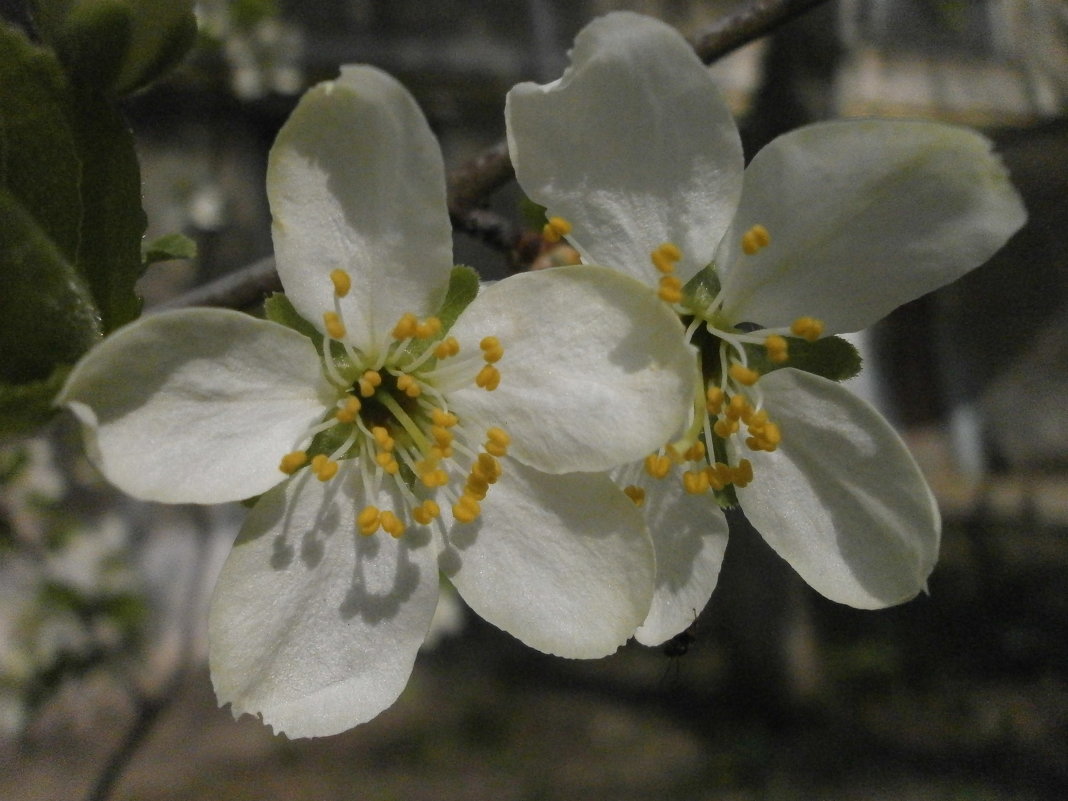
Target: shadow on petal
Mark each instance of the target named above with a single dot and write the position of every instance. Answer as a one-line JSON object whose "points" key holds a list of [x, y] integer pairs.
{"points": [[374, 605]]}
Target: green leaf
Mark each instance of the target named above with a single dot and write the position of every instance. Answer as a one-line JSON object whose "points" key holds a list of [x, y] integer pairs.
{"points": [[117, 46], [68, 159], [112, 219], [25, 407], [39, 157], [463, 287], [47, 316], [168, 247]]}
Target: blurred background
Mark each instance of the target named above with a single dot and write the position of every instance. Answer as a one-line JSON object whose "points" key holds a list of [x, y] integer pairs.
{"points": [[774, 693]]}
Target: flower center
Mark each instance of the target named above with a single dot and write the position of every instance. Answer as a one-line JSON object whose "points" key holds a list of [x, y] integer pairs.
{"points": [[728, 403], [392, 417]]}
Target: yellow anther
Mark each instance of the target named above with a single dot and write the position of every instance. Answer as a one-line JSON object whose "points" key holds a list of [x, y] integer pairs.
{"points": [[368, 382], [446, 348], [742, 474], [441, 435], [335, 329], [555, 229], [436, 477], [756, 238], [665, 257], [405, 327], [428, 328], [324, 467], [342, 282], [439, 452], [636, 494], [440, 417], [772, 435], [670, 289], [368, 520], [292, 462], [695, 452], [491, 349], [807, 328], [488, 467], [476, 487], [657, 466], [392, 524], [714, 399], [764, 438], [718, 476], [777, 347], [489, 378], [695, 482], [497, 441], [743, 375], [757, 420], [409, 386], [349, 410], [425, 512], [387, 462], [737, 407], [382, 438], [669, 250], [724, 427], [466, 509]]}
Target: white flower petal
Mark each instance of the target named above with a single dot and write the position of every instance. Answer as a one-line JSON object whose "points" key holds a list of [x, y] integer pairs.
{"points": [[634, 146], [197, 405], [841, 500], [595, 373], [312, 625], [562, 562], [689, 534], [864, 216], [356, 182]]}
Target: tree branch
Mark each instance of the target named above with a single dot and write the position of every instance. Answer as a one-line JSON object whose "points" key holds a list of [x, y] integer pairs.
{"points": [[757, 19], [470, 184], [148, 706]]}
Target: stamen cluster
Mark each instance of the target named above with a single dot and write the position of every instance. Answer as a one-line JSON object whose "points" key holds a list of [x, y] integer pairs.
{"points": [[392, 417], [731, 404]]}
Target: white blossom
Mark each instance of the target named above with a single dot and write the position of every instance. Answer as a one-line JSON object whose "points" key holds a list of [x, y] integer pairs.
{"points": [[388, 442], [638, 162]]}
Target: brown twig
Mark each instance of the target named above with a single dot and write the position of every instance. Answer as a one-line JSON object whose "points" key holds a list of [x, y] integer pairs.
{"points": [[757, 19], [241, 289], [473, 182]]}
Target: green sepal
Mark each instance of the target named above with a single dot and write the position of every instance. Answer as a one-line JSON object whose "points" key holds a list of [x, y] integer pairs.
{"points": [[26, 407], [329, 441], [463, 288], [702, 289], [532, 214], [830, 357], [168, 247], [278, 309], [726, 497]]}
